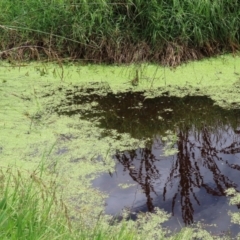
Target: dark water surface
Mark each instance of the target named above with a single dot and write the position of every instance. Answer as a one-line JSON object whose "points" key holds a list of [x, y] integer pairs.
{"points": [[190, 184]]}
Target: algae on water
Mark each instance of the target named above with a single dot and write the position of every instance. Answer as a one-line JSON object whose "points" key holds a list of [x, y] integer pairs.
{"points": [[77, 150]]}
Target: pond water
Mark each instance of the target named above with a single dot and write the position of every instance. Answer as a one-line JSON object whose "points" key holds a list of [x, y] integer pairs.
{"points": [[190, 180]]}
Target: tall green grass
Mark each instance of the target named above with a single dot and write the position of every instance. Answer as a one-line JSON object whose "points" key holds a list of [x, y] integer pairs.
{"points": [[29, 209], [119, 31]]}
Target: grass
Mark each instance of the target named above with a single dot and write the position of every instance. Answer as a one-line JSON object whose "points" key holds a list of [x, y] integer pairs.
{"points": [[28, 208], [125, 31]]}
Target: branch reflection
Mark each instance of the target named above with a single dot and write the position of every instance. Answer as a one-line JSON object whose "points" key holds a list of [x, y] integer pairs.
{"points": [[201, 162]]}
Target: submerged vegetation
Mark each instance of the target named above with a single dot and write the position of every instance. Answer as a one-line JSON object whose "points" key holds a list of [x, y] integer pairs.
{"points": [[124, 31]]}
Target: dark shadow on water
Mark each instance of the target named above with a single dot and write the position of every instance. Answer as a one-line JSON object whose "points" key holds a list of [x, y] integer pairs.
{"points": [[190, 184]]}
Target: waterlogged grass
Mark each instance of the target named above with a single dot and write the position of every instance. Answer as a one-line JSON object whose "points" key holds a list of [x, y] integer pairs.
{"points": [[110, 31]]}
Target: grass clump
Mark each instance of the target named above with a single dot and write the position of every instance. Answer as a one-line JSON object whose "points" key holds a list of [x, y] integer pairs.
{"points": [[124, 31], [29, 209]]}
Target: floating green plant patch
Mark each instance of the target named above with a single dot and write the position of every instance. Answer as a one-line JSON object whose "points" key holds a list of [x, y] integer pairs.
{"points": [[79, 122]]}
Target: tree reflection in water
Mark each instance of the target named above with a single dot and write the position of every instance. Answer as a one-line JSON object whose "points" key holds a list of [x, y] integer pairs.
{"points": [[208, 144], [202, 154]]}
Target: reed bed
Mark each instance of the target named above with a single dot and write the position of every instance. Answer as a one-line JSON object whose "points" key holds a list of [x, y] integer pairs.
{"points": [[123, 31]]}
